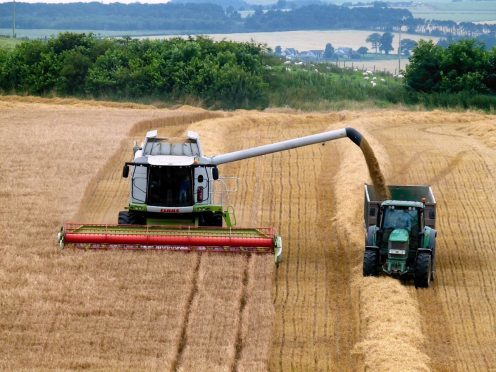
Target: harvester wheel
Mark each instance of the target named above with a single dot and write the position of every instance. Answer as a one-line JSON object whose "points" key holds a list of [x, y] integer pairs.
{"points": [[210, 219], [130, 218], [423, 270], [370, 263], [124, 218]]}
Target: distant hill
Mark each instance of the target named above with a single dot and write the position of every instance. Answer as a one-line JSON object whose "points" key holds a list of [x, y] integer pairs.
{"points": [[194, 18], [236, 4], [116, 16]]}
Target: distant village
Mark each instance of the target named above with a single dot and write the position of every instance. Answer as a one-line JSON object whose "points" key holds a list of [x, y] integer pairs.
{"points": [[318, 54]]}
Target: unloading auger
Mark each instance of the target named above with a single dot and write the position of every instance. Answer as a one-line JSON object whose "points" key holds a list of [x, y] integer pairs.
{"points": [[173, 204]]}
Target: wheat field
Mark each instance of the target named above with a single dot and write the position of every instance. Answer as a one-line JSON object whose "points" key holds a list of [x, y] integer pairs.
{"points": [[62, 161]]}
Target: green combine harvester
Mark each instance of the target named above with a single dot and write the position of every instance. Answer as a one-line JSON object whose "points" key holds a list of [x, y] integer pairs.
{"points": [[400, 235]]}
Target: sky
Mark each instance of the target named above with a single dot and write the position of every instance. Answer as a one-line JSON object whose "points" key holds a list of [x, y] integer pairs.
{"points": [[88, 1]]}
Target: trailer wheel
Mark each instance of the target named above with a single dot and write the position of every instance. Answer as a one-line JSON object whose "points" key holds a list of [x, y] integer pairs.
{"points": [[370, 263], [423, 270]]}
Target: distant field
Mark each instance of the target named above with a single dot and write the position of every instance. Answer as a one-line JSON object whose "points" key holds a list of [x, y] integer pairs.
{"points": [[307, 40], [463, 11], [382, 65], [448, 10]]}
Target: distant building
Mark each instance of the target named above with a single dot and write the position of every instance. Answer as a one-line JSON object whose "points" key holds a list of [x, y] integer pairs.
{"points": [[317, 52], [311, 54], [343, 52], [290, 53]]}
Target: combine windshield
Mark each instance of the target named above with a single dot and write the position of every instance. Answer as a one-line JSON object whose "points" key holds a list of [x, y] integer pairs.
{"points": [[170, 186]]}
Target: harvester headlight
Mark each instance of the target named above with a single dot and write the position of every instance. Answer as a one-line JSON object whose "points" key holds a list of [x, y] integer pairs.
{"points": [[397, 251]]}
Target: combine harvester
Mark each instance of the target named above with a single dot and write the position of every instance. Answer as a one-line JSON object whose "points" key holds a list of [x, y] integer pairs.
{"points": [[173, 206]]}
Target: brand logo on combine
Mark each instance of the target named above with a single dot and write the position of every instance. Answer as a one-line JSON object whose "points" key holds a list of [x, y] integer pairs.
{"points": [[169, 210]]}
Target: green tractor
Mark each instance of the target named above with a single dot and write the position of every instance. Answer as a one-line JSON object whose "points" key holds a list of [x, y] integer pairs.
{"points": [[400, 233]]}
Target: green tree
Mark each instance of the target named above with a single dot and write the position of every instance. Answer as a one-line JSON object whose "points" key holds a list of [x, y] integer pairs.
{"points": [[328, 51], [407, 45], [386, 42], [375, 40], [74, 68], [464, 65], [423, 72], [490, 75], [362, 50]]}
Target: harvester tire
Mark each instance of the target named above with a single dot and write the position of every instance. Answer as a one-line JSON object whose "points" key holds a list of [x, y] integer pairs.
{"points": [[124, 218], [130, 218], [211, 219], [423, 270], [370, 263]]}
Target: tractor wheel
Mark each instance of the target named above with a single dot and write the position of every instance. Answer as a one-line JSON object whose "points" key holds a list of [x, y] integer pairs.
{"points": [[432, 241], [124, 218], [370, 263], [423, 270]]}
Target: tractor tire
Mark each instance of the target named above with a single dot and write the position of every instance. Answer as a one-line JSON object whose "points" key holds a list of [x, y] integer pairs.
{"points": [[370, 263], [432, 246], [423, 270]]}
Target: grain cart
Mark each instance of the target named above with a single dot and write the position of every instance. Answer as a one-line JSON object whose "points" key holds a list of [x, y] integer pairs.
{"points": [[172, 202], [400, 232]]}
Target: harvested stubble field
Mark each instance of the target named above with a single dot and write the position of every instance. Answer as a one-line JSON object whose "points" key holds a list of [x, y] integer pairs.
{"points": [[176, 311]]}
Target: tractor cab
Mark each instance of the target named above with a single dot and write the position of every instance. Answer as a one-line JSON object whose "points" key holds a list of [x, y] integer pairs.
{"points": [[398, 234]]}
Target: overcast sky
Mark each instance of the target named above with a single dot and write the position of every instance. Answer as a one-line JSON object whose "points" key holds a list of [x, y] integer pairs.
{"points": [[87, 1]]}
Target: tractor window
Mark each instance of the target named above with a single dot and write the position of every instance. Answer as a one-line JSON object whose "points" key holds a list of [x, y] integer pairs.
{"points": [[395, 218], [170, 186]]}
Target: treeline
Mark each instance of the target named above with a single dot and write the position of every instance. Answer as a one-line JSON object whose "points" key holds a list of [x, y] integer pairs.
{"points": [[116, 16], [464, 66], [217, 74], [195, 18], [319, 17]]}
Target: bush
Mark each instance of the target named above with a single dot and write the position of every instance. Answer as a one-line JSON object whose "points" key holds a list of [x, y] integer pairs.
{"points": [[464, 66], [223, 74]]}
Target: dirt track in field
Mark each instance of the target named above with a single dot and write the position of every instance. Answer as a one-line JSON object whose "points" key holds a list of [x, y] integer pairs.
{"points": [[117, 310]]}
